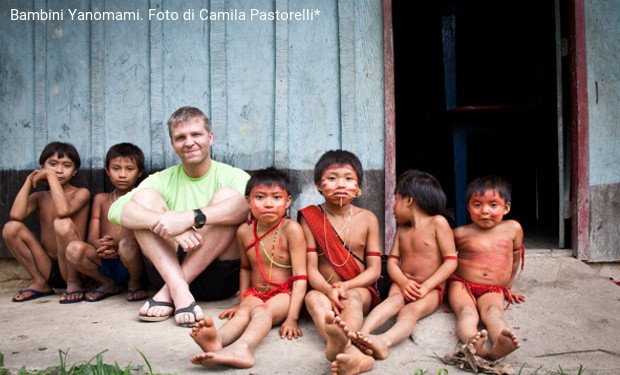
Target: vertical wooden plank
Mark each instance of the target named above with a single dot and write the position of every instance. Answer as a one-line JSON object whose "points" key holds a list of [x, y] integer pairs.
{"points": [[127, 77], [157, 159], [390, 126], [314, 84], [17, 99], [281, 144], [68, 81], [219, 92], [250, 126], [186, 66], [579, 103], [40, 75], [346, 43], [562, 191], [369, 83], [97, 97]]}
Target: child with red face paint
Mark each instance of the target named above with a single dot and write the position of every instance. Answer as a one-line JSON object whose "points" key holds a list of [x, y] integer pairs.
{"points": [[272, 278], [343, 257], [489, 250]]}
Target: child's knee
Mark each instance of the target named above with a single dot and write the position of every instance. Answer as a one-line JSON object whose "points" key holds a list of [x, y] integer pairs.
{"points": [[313, 299], [11, 229], [63, 226], [75, 251], [129, 249]]}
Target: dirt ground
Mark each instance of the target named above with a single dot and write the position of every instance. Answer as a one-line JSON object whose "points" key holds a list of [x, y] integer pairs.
{"points": [[570, 320]]}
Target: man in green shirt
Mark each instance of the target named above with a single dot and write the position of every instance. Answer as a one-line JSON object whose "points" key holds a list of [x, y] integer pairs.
{"points": [[185, 218]]}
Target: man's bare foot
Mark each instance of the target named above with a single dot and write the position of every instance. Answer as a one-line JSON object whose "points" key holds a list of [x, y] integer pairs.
{"points": [[337, 339], [155, 311], [505, 344], [239, 357], [205, 335], [370, 344], [478, 343], [352, 362]]}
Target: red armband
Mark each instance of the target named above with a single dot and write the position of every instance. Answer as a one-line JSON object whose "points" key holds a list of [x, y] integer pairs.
{"points": [[394, 257], [248, 268], [310, 250], [298, 277], [373, 254], [452, 257]]}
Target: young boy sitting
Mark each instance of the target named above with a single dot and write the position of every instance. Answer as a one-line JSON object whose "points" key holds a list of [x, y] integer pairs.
{"points": [[344, 259], [111, 256], [272, 278], [63, 215], [423, 256], [488, 249]]}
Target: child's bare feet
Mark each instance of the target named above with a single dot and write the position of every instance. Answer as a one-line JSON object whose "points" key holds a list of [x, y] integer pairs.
{"points": [[369, 344], [337, 340], [505, 344], [234, 356], [478, 343], [352, 362], [205, 335]]}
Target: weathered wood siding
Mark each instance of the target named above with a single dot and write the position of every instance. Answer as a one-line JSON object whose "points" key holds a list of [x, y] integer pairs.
{"points": [[603, 158], [278, 92]]}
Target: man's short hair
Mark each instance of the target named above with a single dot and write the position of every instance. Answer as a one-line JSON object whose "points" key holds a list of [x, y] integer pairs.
{"points": [[187, 113]]}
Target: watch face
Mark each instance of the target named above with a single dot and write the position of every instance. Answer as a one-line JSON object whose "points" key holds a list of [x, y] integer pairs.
{"points": [[199, 218]]}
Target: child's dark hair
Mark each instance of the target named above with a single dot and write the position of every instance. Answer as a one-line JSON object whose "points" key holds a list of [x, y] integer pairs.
{"points": [[425, 190], [338, 157], [62, 149], [270, 177], [126, 150], [489, 183]]}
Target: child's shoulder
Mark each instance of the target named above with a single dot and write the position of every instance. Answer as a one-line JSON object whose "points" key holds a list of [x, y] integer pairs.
{"points": [[458, 231], [512, 225], [292, 227], [364, 213], [440, 220]]}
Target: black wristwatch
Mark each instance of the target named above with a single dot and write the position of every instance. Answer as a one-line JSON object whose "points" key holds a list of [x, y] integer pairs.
{"points": [[199, 218]]}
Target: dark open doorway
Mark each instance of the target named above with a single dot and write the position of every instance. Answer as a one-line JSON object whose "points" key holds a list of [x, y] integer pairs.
{"points": [[505, 93]]}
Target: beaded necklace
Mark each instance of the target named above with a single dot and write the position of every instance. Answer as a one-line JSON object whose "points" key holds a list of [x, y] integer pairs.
{"points": [[346, 226], [273, 250]]}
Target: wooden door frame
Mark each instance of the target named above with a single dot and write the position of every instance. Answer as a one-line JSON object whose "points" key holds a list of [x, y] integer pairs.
{"points": [[579, 204], [390, 126]]}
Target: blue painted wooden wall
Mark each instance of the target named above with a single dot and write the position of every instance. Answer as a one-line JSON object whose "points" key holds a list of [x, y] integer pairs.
{"points": [[278, 92]]}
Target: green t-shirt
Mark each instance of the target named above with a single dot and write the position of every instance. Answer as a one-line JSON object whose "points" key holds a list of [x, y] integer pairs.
{"points": [[181, 192]]}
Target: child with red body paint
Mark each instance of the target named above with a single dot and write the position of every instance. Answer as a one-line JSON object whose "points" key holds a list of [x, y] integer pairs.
{"points": [[489, 250], [272, 278], [344, 259]]}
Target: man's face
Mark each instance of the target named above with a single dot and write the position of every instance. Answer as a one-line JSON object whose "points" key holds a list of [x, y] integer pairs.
{"points": [[191, 141]]}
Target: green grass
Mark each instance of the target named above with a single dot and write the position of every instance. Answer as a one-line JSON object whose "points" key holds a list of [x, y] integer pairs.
{"points": [[95, 366]]}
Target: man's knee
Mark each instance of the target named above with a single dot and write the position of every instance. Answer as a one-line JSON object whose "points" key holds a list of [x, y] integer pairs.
{"points": [[223, 194], [150, 198]]}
